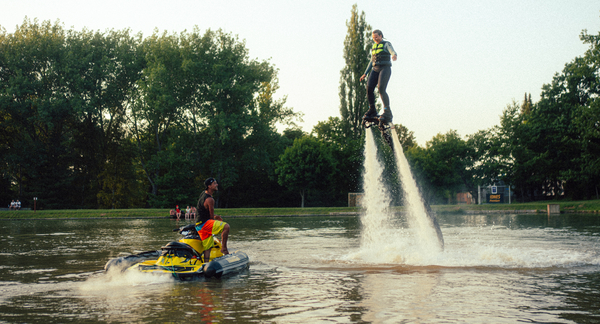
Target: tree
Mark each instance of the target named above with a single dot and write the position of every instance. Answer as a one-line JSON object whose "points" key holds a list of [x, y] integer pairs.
{"points": [[584, 176], [489, 161], [262, 148], [62, 97], [443, 166], [527, 104], [545, 139], [515, 134], [105, 68], [239, 112], [37, 112], [203, 108], [347, 151], [306, 165], [353, 94], [405, 137]]}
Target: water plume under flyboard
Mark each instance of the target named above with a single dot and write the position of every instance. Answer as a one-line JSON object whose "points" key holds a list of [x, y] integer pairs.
{"points": [[382, 240]]}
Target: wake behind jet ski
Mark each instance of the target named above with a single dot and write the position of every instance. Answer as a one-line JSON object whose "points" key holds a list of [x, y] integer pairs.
{"points": [[183, 259]]}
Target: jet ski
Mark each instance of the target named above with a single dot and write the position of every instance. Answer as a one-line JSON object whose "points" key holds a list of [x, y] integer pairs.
{"points": [[183, 259], [384, 128]]}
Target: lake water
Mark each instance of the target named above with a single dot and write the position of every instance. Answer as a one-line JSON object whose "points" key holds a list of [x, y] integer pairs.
{"points": [[493, 269]]}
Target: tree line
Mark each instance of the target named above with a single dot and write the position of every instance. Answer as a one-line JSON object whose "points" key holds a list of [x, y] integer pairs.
{"points": [[544, 150], [92, 119], [113, 120]]}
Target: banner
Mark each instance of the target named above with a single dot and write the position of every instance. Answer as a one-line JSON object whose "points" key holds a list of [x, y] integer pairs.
{"points": [[495, 198]]}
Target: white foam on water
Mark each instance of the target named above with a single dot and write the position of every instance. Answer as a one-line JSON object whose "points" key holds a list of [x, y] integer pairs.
{"points": [[491, 246], [381, 240], [115, 281]]}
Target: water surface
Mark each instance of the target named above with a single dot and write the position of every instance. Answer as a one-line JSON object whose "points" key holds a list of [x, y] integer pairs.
{"points": [[499, 268]]}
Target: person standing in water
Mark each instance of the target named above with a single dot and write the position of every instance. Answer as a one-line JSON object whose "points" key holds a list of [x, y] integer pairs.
{"points": [[379, 72], [209, 224]]}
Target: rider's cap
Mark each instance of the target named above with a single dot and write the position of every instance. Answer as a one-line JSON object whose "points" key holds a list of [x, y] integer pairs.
{"points": [[208, 182]]}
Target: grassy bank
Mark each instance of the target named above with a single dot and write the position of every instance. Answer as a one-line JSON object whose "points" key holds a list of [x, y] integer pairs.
{"points": [[584, 206], [587, 206], [164, 213]]}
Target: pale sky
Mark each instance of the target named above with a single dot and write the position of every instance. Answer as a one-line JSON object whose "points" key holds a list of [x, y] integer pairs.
{"points": [[460, 62]]}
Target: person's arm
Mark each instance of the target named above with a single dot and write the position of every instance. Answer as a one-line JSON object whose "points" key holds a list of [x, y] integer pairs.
{"points": [[390, 49], [209, 203], [367, 71]]}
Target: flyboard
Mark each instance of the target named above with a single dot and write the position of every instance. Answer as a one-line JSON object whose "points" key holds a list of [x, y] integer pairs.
{"points": [[384, 128]]}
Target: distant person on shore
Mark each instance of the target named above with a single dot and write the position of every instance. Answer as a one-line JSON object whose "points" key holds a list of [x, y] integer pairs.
{"points": [[209, 224], [12, 205]]}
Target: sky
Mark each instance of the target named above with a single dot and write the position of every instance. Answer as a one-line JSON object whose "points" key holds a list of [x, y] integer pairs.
{"points": [[460, 63]]}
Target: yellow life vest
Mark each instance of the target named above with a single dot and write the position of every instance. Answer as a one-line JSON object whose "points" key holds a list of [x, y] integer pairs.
{"points": [[379, 55]]}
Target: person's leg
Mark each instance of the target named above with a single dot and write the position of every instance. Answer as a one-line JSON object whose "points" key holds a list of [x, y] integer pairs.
{"points": [[384, 78], [371, 84], [220, 227], [206, 236], [224, 237]]}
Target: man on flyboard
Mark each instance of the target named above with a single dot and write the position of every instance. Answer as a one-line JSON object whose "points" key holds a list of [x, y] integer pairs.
{"points": [[379, 72]]}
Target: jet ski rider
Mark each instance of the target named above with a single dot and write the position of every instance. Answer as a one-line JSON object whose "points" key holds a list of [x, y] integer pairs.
{"points": [[380, 69], [209, 224]]}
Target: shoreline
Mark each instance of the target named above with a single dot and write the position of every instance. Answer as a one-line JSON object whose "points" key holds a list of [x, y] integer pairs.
{"points": [[589, 207], [456, 211]]}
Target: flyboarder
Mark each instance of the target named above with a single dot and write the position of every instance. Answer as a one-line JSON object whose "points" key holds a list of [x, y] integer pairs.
{"points": [[379, 72]]}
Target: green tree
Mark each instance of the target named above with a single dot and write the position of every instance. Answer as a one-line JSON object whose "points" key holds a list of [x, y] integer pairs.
{"points": [[306, 165], [527, 104], [36, 112], [105, 67], [583, 178], [262, 148], [290, 134], [520, 163], [62, 96], [347, 151], [489, 160], [443, 167], [239, 112], [588, 174], [122, 184], [163, 94], [545, 139], [205, 109], [353, 94], [406, 137]]}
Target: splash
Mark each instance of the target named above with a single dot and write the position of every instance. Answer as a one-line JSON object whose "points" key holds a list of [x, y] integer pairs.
{"points": [[376, 199], [381, 241], [419, 218]]}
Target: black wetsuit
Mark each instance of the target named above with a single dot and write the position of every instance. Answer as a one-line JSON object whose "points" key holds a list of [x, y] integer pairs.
{"points": [[380, 69]]}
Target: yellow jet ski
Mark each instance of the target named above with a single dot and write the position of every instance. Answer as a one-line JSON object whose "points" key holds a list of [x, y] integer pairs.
{"points": [[183, 259]]}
